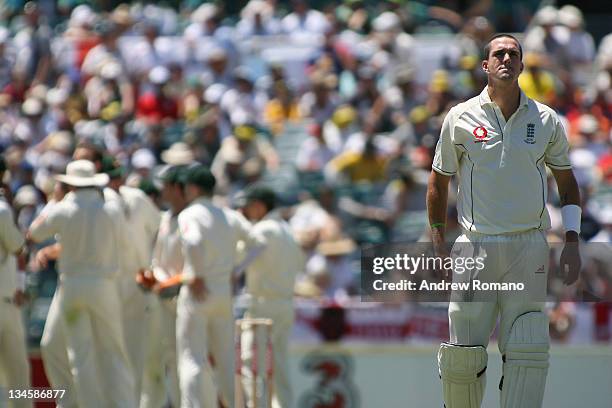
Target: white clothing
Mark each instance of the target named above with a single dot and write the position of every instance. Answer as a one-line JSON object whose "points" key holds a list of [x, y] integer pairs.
{"points": [[501, 165]]}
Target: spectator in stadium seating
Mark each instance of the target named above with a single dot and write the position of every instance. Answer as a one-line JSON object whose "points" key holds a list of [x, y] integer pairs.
{"points": [[155, 105], [579, 44], [282, 108], [542, 38], [257, 19], [244, 145], [33, 47], [109, 92], [80, 32], [243, 99], [536, 82], [401, 98], [338, 129], [6, 62], [145, 55], [219, 67], [440, 96], [395, 47], [365, 166], [108, 49], [320, 103], [330, 267], [304, 21], [314, 154]]}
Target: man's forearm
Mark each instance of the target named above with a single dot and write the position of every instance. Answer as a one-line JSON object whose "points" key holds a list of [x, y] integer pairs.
{"points": [[437, 198], [569, 194]]}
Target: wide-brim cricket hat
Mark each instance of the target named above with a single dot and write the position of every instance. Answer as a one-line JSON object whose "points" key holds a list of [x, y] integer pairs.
{"points": [[178, 154], [82, 173]]}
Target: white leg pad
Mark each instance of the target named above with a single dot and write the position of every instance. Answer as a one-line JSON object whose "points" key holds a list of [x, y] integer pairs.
{"points": [[462, 370], [526, 362]]}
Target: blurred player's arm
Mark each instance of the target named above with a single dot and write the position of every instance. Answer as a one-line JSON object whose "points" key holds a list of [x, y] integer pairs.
{"points": [[194, 253], [10, 236]]}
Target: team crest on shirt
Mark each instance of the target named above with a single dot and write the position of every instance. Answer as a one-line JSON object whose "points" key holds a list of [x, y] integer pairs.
{"points": [[530, 137], [480, 133]]}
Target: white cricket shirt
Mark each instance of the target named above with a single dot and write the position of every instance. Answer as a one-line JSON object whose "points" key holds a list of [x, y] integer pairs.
{"points": [[209, 236], [271, 276], [11, 240], [500, 165], [167, 254], [90, 230]]}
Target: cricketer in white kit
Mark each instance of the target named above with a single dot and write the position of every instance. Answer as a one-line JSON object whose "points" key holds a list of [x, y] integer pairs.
{"points": [[209, 237], [14, 361], [498, 144], [274, 261], [91, 233], [167, 262]]}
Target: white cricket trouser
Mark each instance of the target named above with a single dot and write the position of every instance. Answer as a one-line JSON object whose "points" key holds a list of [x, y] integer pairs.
{"points": [[519, 257], [203, 328], [160, 381], [89, 310], [14, 361], [55, 357], [282, 314], [136, 314]]}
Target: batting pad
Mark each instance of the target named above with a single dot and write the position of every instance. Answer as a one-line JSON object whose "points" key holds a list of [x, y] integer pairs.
{"points": [[462, 370], [526, 362]]}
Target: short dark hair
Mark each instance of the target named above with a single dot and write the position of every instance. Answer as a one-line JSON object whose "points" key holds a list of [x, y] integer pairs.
{"points": [[200, 176], [487, 47], [261, 193]]}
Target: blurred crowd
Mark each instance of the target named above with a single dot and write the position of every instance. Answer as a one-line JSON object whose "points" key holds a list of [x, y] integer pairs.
{"points": [[346, 135]]}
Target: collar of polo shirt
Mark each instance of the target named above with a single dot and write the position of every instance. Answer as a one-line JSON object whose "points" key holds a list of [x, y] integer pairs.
{"points": [[485, 99]]}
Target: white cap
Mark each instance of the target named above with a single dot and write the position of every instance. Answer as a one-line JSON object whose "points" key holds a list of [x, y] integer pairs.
{"points": [[254, 7], [26, 195], [387, 21], [570, 16], [217, 53], [32, 107], [60, 141], [110, 70], [143, 159], [4, 35], [179, 153], [214, 93], [57, 96], [39, 91], [547, 15], [588, 124], [240, 117], [204, 13], [82, 15], [159, 75]]}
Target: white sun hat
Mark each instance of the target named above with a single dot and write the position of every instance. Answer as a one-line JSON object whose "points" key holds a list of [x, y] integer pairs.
{"points": [[82, 173], [159, 75], [179, 153]]}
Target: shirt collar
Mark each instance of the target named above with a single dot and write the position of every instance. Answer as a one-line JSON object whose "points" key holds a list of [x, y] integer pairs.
{"points": [[202, 200], [85, 193], [273, 215], [485, 99]]}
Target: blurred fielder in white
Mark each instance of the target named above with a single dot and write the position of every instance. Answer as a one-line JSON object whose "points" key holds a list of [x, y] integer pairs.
{"points": [[273, 262]]}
